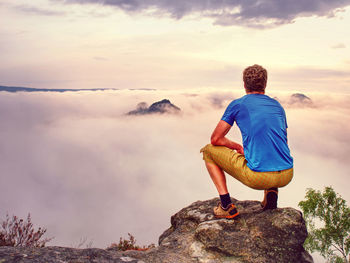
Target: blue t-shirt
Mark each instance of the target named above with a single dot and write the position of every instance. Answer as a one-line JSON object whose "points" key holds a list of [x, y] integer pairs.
{"points": [[263, 125]]}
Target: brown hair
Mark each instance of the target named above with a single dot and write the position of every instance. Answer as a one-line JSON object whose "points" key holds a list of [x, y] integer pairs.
{"points": [[255, 78]]}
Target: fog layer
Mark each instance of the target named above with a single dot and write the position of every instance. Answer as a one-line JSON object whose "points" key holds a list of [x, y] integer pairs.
{"points": [[83, 168]]}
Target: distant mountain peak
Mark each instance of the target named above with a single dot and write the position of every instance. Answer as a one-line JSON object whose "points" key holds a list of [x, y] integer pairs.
{"points": [[300, 99], [163, 106], [300, 96]]}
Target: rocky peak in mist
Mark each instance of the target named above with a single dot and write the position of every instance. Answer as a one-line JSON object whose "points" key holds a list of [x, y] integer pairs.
{"points": [[296, 100], [300, 98], [163, 106], [196, 236]]}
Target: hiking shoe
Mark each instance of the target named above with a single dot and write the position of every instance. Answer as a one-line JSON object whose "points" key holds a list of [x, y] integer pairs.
{"points": [[270, 199], [230, 212]]}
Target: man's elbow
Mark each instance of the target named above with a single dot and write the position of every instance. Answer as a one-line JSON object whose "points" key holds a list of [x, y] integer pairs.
{"points": [[214, 140]]}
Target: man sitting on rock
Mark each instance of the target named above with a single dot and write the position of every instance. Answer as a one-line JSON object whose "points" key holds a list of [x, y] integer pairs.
{"points": [[264, 162]]}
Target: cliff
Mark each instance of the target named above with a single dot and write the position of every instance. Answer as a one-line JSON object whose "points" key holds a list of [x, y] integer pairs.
{"points": [[196, 236]]}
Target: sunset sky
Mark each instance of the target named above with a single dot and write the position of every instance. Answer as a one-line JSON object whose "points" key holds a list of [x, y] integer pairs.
{"points": [[85, 169], [174, 44]]}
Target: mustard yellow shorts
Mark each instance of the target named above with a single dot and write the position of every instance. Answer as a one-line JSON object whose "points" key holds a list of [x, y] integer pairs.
{"points": [[235, 165]]}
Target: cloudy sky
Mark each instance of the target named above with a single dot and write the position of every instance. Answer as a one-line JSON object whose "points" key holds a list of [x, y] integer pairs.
{"points": [[84, 169], [166, 44]]}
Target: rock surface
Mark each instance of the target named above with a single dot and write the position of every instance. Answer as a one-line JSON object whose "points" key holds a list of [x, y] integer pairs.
{"points": [[196, 236], [62, 255]]}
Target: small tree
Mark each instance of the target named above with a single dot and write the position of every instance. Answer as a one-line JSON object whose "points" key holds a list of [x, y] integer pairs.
{"points": [[17, 232], [329, 211]]}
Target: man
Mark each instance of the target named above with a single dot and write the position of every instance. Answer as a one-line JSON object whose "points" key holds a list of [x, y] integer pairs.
{"points": [[264, 161]]}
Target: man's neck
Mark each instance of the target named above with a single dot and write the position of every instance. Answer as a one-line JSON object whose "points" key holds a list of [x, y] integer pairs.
{"points": [[255, 92]]}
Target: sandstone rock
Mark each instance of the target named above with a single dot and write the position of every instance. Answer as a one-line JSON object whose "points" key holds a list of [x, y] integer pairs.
{"points": [[257, 236], [196, 236]]}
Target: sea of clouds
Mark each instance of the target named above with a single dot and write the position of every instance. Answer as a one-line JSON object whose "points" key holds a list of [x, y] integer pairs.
{"points": [[84, 169]]}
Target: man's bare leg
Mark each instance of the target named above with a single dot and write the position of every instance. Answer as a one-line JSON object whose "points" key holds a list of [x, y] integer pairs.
{"points": [[218, 177], [227, 209]]}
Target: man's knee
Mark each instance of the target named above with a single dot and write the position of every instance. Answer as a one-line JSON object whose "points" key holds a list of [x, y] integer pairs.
{"points": [[206, 150]]}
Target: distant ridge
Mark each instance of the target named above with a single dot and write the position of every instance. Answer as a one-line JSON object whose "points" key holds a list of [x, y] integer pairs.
{"points": [[16, 89]]}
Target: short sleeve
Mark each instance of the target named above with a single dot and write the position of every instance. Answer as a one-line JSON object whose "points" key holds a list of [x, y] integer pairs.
{"points": [[231, 112]]}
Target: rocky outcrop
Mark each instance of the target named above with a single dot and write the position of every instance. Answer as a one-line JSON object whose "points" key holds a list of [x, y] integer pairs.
{"points": [[196, 236], [163, 106]]}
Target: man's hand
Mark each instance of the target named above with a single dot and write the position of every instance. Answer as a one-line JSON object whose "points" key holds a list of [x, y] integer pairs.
{"points": [[218, 137], [240, 149]]}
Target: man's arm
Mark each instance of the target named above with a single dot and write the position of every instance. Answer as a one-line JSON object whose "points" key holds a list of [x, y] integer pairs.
{"points": [[218, 137]]}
